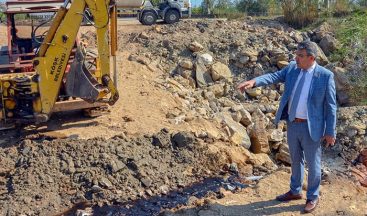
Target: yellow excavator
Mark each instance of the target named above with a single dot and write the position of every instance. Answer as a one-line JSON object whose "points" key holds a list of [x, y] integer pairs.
{"points": [[59, 65]]}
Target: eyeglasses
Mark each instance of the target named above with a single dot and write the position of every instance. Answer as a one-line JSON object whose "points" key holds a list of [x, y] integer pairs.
{"points": [[300, 55]]}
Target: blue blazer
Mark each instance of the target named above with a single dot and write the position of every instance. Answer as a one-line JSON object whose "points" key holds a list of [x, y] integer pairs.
{"points": [[321, 103]]}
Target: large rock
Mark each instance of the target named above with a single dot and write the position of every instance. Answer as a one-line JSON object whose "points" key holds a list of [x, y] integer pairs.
{"points": [[259, 118], [278, 55], [220, 71], [297, 36], [342, 82], [246, 118], [183, 139], [186, 73], [328, 44], [186, 64], [321, 57], [217, 89], [322, 30], [195, 47], [254, 92], [205, 58], [203, 77], [342, 85], [162, 139], [283, 154], [272, 95], [275, 135], [262, 159], [238, 133], [259, 140], [282, 64], [251, 53]]}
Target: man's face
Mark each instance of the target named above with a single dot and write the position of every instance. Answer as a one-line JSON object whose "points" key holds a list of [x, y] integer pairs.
{"points": [[303, 60]]}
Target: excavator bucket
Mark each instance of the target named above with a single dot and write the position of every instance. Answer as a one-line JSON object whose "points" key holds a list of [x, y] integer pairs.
{"points": [[81, 83]]}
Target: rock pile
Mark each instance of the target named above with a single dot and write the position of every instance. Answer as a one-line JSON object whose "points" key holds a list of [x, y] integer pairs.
{"points": [[203, 69], [248, 48]]}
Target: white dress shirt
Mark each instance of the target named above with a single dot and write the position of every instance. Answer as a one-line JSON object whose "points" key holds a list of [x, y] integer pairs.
{"points": [[301, 111]]}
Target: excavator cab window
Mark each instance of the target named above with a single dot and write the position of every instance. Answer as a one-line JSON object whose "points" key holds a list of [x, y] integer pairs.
{"points": [[25, 39]]}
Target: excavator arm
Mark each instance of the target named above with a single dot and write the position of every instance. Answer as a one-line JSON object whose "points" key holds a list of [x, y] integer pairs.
{"points": [[32, 96], [52, 59]]}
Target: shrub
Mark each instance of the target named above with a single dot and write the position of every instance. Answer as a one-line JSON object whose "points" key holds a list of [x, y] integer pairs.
{"points": [[341, 7], [229, 13], [254, 7], [299, 13], [351, 32]]}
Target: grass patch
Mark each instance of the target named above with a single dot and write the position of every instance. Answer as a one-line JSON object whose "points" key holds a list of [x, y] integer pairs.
{"points": [[351, 32]]}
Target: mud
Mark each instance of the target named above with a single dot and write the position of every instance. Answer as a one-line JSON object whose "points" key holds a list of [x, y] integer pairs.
{"points": [[43, 177]]}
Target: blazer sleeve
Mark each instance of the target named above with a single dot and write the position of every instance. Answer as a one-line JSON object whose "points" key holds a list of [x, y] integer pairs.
{"points": [[273, 78], [331, 107]]}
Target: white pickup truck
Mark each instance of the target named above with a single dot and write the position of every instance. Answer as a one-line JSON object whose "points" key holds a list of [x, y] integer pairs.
{"points": [[170, 11]]}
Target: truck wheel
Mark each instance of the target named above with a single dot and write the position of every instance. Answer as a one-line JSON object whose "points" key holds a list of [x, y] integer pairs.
{"points": [[148, 18], [171, 16]]}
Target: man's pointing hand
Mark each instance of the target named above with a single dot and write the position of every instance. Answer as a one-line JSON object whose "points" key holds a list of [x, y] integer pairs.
{"points": [[246, 85]]}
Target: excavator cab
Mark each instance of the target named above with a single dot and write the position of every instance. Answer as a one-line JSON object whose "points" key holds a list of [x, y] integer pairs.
{"points": [[22, 17], [45, 69]]}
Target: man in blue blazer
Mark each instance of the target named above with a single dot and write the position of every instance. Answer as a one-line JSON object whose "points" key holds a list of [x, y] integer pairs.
{"points": [[308, 104]]}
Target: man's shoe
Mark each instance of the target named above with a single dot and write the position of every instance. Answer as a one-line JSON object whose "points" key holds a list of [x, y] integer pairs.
{"points": [[311, 205], [288, 196]]}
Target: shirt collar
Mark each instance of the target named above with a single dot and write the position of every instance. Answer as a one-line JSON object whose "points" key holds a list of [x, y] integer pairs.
{"points": [[310, 69]]}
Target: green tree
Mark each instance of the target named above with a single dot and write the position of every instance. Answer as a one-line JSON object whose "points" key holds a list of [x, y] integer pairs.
{"points": [[342, 7], [362, 3], [223, 4], [274, 7]]}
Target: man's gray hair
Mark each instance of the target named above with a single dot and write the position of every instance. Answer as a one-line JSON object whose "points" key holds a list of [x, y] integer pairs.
{"points": [[309, 46]]}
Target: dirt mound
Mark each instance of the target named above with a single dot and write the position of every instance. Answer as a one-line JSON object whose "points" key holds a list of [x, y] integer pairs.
{"points": [[46, 177]]}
